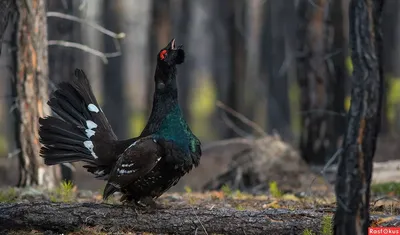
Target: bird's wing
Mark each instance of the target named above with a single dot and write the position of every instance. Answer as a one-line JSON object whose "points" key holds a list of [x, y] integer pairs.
{"points": [[137, 160]]}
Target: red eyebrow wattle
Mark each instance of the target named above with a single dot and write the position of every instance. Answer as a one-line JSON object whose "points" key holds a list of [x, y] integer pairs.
{"points": [[162, 54]]}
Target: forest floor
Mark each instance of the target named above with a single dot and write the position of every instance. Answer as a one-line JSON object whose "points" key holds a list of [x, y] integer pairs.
{"points": [[67, 210]]}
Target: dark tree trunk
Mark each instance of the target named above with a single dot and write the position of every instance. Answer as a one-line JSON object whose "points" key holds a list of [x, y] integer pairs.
{"points": [[113, 82], [364, 118], [277, 36], [7, 9], [32, 92], [222, 56], [160, 35], [391, 58], [321, 75], [236, 18], [62, 60]]}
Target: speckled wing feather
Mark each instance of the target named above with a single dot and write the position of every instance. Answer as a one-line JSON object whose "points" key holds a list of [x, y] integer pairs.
{"points": [[137, 160]]}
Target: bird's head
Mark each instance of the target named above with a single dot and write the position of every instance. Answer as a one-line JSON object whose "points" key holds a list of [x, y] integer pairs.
{"points": [[171, 55]]}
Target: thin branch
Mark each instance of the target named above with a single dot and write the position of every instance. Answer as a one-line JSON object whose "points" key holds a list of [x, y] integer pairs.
{"points": [[85, 48], [224, 143], [233, 127], [116, 37], [91, 24], [242, 118]]}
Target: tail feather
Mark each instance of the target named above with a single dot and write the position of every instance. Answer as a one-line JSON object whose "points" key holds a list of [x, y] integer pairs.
{"points": [[81, 131]]}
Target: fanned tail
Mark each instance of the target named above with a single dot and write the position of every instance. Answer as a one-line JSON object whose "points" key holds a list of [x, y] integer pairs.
{"points": [[81, 132]]}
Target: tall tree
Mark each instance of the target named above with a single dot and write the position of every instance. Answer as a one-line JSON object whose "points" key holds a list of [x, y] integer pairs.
{"points": [[114, 100], [277, 44], [31, 89], [221, 53], [62, 60], [159, 36], [7, 8], [321, 74], [364, 119], [235, 10]]}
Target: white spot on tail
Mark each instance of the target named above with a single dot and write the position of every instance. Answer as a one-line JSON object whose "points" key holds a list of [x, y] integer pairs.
{"points": [[93, 108], [158, 159], [89, 145], [90, 124], [89, 133]]}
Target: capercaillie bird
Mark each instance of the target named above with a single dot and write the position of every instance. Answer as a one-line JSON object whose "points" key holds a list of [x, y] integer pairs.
{"points": [[141, 168]]}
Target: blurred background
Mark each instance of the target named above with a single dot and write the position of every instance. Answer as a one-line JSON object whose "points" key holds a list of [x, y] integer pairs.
{"points": [[285, 65]]}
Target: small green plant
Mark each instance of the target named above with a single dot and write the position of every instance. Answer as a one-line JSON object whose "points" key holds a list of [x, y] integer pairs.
{"points": [[326, 225], [8, 195], [274, 190], [64, 192], [240, 207], [188, 189], [308, 232], [226, 190]]}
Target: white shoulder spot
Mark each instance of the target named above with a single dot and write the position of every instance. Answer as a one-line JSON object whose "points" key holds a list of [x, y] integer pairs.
{"points": [[93, 108]]}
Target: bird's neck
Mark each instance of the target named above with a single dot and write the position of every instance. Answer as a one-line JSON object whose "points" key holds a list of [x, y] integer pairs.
{"points": [[165, 101]]}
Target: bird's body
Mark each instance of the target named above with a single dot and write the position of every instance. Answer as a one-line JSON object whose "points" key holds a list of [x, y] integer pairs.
{"points": [[142, 168]]}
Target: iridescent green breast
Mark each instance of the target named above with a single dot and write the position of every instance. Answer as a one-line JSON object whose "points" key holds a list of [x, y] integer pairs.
{"points": [[175, 128]]}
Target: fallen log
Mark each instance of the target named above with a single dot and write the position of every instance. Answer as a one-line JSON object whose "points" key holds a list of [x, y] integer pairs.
{"points": [[187, 219], [62, 218]]}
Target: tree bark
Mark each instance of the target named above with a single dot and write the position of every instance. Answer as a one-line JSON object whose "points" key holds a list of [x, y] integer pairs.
{"points": [[364, 118], [32, 91], [321, 73]]}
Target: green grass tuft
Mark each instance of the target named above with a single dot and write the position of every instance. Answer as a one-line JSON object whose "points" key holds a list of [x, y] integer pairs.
{"points": [[274, 190], [63, 193], [8, 195], [226, 190], [308, 232], [326, 225], [188, 189]]}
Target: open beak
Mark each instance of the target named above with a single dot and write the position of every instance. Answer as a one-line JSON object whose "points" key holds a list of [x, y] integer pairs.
{"points": [[173, 46]]}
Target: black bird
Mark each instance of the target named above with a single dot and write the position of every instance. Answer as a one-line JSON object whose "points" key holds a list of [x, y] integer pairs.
{"points": [[141, 168]]}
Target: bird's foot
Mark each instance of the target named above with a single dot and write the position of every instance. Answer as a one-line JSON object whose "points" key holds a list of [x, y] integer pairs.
{"points": [[149, 202]]}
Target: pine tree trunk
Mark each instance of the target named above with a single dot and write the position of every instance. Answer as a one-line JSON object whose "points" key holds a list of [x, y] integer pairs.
{"points": [[277, 41], [32, 91], [364, 118], [321, 73]]}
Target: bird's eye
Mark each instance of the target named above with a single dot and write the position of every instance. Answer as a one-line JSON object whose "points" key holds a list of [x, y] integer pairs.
{"points": [[163, 54]]}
